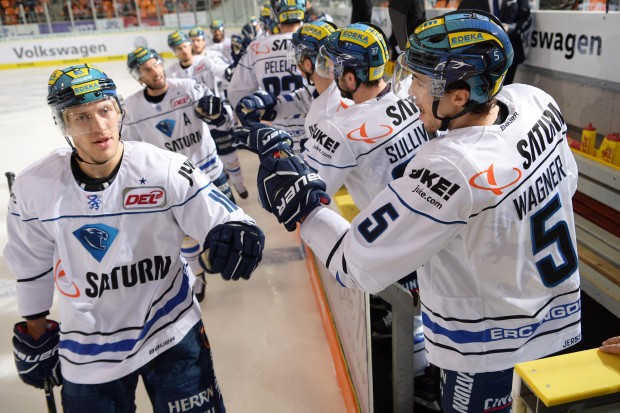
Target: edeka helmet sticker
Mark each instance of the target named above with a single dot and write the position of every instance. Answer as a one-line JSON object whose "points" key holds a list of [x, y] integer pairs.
{"points": [[96, 238], [166, 127]]}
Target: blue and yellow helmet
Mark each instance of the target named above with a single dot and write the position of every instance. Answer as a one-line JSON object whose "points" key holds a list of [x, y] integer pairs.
{"points": [[466, 45], [177, 38], [217, 25], [309, 38], [79, 85], [197, 32], [288, 11], [360, 46], [138, 57]]}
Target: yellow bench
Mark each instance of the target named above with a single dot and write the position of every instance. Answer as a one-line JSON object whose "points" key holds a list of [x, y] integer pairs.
{"points": [[587, 381]]}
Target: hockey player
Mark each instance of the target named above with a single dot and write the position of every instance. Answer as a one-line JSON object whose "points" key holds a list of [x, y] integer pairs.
{"points": [[484, 212], [368, 145], [209, 70], [296, 112], [264, 66], [101, 222], [198, 40], [175, 114], [221, 43]]}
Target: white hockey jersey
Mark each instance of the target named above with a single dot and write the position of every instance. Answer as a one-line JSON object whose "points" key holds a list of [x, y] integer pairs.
{"points": [[172, 124], [485, 214], [291, 111], [365, 146], [327, 104], [224, 48], [112, 256], [265, 67], [208, 70]]}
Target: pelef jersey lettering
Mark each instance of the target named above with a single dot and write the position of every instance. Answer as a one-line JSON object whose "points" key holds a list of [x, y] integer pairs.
{"points": [[122, 285], [488, 223], [265, 66]]}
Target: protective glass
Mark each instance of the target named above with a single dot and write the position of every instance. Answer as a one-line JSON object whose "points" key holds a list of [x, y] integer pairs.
{"points": [[402, 77], [325, 66], [102, 116]]}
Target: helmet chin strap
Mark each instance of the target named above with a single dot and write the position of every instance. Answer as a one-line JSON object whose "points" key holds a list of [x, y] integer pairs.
{"points": [[75, 154], [445, 122], [346, 94]]}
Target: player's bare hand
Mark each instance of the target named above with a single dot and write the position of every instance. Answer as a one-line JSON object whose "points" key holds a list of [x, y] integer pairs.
{"points": [[611, 346]]}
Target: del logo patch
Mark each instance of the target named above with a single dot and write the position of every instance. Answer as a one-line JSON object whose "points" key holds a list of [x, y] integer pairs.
{"points": [[96, 238], [166, 127], [144, 197], [183, 100]]}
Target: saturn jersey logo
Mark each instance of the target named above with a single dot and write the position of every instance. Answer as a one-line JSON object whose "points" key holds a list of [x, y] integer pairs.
{"points": [[362, 135], [96, 239], [166, 127], [63, 285], [257, 48], [491, 184]]}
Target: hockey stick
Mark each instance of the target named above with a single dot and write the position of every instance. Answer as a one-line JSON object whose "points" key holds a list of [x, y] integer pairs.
{"points": [[49, 396], [10, 177]]}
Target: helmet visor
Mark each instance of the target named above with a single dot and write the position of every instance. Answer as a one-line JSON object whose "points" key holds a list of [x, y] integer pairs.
{"points": [[325, 66], [402, 77], [101, 117]]}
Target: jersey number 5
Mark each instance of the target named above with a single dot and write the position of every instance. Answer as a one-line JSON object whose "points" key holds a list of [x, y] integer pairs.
{"points": [[371, 230], [543, 237]]}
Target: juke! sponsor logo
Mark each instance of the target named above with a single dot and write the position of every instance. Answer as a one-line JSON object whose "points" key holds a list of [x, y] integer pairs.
{"points": [[436, 183], [322, 139], [144, 197]]}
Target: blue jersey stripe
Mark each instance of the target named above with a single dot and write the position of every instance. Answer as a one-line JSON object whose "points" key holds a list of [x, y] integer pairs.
{"points": [[130, 344], [223, 199]]}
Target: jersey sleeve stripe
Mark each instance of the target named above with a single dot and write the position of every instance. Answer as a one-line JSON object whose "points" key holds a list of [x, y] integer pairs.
{"points": [[36, 277]]}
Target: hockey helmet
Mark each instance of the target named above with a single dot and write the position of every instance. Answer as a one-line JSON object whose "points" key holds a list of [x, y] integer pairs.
{"points": [[217, 25], [138, 57], [360, 46], [308, 39], [79, 85], [177, 38], [288, 11], [467, 45], [197, 32]]}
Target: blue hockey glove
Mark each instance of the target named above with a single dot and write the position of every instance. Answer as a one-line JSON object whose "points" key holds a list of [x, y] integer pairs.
{"points": [[289, 188], [37, 360], [256, 107], [233, 249], [260, 139], [210, 109], [238, 47]]}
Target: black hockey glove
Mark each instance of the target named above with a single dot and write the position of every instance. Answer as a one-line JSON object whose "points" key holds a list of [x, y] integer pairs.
{"points": [[261, 139], [210, 109], [37, 360], [289, 188], [233, 249], [256, 107]]}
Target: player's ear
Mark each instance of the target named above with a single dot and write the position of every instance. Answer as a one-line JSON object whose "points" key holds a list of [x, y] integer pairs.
{"points": [[460, 97]]}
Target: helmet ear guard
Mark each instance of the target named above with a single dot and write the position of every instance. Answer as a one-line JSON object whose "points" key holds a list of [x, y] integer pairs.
{"points": [[361, 47]]}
